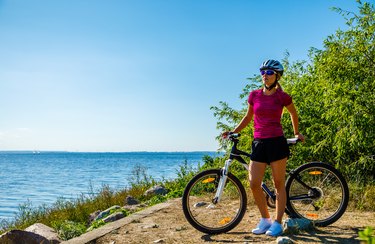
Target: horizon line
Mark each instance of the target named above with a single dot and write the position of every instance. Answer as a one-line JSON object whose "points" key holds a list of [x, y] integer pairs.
{"points": [[66, 151]]}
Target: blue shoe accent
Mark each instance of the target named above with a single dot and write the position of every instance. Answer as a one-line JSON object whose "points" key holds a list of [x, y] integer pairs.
{"points": [[276, 229], [262, 227]]}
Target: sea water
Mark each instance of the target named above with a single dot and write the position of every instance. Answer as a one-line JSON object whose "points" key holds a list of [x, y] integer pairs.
{"points": [[41, 178]]}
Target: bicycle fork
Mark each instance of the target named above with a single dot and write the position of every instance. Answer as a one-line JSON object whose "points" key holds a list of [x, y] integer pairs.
{"points": [[221, 184]]}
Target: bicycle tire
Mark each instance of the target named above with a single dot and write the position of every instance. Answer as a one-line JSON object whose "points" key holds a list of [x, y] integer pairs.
{"points": [[198, 196], [329, 195]]}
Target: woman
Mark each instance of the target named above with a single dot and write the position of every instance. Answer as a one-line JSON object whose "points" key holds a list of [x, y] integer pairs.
{"points": [[269, 145]]}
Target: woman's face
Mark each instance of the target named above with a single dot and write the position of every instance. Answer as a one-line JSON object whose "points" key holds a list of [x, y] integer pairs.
{"points": [[268, 78]]}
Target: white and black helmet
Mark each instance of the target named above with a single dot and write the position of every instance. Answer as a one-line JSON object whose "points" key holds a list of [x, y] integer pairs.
{"points": [[273, 65]]}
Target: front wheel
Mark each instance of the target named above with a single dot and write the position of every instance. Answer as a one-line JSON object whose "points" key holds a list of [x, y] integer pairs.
{"points": [[318, 192], [200, 206]]}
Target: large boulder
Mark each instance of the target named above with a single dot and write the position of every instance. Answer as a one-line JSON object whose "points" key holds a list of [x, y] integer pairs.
{"points": [[45, 231], [36, 233], [296, 225], [23, 237]]}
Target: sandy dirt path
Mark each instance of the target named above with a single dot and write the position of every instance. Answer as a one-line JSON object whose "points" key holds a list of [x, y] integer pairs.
{"points": [[168, 225]]}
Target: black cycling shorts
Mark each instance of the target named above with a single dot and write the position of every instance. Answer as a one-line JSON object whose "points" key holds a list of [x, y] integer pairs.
{"points": [[269, 150]]}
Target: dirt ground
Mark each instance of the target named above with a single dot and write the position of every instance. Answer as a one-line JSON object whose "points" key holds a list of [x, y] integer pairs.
{"points": [[170, 226]]}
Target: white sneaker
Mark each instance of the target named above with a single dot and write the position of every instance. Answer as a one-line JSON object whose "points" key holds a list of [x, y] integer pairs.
{"points": [[263, 226], [276, 229]]}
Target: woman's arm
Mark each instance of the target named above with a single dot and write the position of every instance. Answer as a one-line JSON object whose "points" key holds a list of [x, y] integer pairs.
{"points": [[294, 117], [245, 120]]}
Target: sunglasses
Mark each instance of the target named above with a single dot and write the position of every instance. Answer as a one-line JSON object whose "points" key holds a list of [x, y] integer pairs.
{"points": [[267, 72]]}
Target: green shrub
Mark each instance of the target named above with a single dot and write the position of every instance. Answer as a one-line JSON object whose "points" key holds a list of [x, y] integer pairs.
{"points": [[96, 224], [68, 229], [367, 235], [157, 199]]}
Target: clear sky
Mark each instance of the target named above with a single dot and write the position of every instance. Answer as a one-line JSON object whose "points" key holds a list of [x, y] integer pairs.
{"points": [[140, 75]]}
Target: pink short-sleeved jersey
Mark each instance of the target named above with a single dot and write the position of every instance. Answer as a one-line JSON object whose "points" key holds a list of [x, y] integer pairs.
{"points": [[267, 112]]}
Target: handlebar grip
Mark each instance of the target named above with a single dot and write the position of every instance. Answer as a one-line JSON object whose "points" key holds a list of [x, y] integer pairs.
{"points": [[234, 135], [292, 140]]}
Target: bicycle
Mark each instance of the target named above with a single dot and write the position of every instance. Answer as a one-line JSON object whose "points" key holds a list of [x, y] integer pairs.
{"points": [[215, 201]]}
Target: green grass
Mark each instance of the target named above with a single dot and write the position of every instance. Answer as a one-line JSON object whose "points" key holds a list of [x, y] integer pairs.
{"points": [[362, 197], [70, 218]]}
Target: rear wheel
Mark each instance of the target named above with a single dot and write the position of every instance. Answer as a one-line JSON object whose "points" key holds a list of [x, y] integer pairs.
{"points": [[318, 192], [200, 207]]}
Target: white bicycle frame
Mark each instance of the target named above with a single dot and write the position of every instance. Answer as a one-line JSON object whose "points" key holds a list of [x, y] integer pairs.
{"points": [[223, 180]]}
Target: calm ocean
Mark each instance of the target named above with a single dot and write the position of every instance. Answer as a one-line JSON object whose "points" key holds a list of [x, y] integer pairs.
{"points": [[42, 178]]}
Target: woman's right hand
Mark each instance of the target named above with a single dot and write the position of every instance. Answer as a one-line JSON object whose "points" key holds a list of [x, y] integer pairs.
{"points": [[225, 134]]}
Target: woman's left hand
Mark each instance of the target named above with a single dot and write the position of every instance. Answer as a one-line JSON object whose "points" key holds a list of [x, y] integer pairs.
{"points": [[300, 137]]}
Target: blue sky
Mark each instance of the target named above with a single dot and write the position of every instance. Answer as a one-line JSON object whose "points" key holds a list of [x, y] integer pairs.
{"points": [[140, 75]]}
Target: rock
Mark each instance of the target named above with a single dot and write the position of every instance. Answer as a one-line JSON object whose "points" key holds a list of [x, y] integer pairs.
{"points": [[114, 217], [93, 216], [36, 233], [131, 201], [296, 225], [21, 236], [200, 204], [151, 226], [106, 212], [283, 240], [134, 208], [156, 190], [45, 231], [106, 215]]}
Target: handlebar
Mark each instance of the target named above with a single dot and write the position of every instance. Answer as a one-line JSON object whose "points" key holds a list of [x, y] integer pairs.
{"points": [[234, 137], [236, 153]]}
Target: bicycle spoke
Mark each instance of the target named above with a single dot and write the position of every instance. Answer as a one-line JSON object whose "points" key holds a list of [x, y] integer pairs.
{"points": [[317, 193], [207, 214]]}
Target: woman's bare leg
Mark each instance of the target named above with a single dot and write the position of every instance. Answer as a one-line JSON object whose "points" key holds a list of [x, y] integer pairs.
{"points": [[278, 173], [256, 174]]}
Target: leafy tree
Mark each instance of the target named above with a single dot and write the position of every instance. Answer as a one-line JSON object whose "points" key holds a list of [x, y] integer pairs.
{"points": [[334, 95]]}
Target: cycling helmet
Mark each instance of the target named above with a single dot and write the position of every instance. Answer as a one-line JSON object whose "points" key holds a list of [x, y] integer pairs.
{"points": [[274, 65]]}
